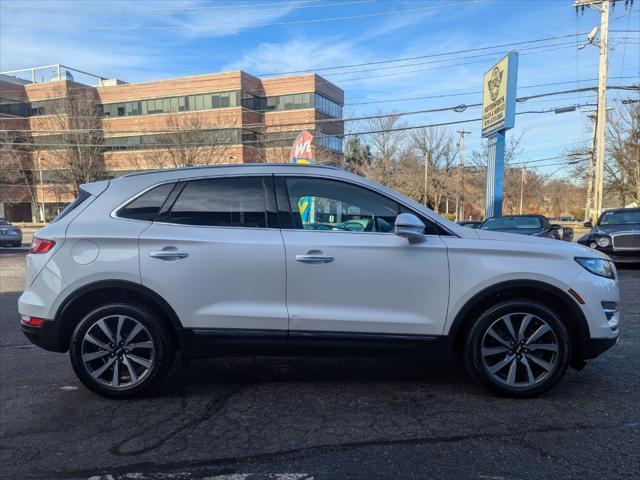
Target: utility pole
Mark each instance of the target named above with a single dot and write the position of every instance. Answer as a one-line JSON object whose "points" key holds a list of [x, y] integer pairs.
{"points": [[460, 199], [602, 7]]}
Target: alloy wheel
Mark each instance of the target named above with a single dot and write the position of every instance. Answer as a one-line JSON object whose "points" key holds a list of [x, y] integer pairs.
{"points": [[118, 351], [519, 350]]}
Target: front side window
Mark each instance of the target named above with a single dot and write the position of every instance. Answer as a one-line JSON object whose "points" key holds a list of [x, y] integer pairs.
{"points": [[221, 202], [320, 204], [147, 205]]}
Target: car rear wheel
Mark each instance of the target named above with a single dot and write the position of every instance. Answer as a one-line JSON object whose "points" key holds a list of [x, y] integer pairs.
{"points": [[121, 350], [518, 348]]}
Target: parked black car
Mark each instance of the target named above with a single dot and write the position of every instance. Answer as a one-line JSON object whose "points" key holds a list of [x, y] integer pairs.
{"points": [[537, 225], [470, 223], [617, 234], [9, 234]]}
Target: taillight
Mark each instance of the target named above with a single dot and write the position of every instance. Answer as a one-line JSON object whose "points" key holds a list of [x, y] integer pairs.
{"points": [[40, 245], [32, 321]]}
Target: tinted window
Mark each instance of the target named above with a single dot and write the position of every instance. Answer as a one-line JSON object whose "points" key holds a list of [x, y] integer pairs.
{"points": [[500, 223], [147, 205], [222, 202], [67, 210], [318, 204]]}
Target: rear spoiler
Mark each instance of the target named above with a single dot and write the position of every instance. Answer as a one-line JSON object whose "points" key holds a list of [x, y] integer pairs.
{"points": [[95, 188]]}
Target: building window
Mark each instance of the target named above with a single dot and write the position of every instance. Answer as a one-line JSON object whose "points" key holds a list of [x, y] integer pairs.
{"points": [[328, 107]]}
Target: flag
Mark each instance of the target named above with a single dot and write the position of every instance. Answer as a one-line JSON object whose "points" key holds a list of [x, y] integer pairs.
{"points": [[301, 152], [301, 149]]}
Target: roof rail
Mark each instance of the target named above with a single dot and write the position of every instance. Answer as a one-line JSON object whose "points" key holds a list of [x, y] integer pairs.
{"points": [[233, 165]]}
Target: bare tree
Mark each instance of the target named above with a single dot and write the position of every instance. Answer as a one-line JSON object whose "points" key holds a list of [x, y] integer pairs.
{"points": [[80, 139], [386, 145], [16, 170], [622, 168], [192, 139], [622, 159], [436, 146]]}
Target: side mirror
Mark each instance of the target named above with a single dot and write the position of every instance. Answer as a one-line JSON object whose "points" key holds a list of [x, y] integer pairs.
{"points": [[555, 226], [588, 224], [410, 227]]}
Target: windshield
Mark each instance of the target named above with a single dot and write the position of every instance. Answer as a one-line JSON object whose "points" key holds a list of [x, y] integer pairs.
{"points": [[506, 223], [620, 218], [3, 222]]}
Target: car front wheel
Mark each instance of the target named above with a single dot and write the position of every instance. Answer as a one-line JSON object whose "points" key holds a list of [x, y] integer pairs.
{"points": [[518, 348], [121, 350]]}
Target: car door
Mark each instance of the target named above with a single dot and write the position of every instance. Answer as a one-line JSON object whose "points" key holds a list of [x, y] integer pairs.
{"points": [[217, 257], [347, 280]]}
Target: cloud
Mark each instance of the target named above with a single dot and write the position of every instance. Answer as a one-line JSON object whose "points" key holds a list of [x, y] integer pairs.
{"points": [[129, 39], [298, 54]]}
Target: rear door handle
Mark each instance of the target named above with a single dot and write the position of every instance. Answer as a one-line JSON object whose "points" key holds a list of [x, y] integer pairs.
{"points": [[314, 258], [168, 254]]}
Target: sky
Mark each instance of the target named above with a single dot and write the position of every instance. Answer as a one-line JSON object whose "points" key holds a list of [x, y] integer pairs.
{"points": [[150, 40]]}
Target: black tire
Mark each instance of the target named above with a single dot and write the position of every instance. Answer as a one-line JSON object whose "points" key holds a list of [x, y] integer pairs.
{"points": [[154, 329], [479, 367]]}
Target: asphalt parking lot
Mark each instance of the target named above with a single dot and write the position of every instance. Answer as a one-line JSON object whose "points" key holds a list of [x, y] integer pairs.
{"points": [[315, 418]]}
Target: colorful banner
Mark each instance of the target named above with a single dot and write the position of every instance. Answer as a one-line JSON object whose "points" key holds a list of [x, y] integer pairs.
{"points": [[301, 152]]}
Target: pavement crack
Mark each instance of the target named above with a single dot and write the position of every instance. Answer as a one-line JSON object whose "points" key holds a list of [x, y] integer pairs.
{"points": [[297, 453], [212, 408]]}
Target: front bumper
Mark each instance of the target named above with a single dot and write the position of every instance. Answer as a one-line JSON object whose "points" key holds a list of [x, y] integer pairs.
{"points": [[594, 347], [46, 336], [618, 256]]}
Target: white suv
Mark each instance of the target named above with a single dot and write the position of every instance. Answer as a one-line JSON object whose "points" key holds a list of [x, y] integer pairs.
{"points": [[292, 259]]}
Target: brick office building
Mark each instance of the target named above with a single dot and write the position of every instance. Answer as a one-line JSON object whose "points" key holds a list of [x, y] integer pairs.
{"points": [[231, 117]]}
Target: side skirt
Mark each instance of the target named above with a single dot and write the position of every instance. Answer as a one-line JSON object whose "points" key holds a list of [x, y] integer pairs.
{"points": [[239, 342]]}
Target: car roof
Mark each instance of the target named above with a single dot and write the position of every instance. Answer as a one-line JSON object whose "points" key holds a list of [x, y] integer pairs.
{"points": [[205, 168]]}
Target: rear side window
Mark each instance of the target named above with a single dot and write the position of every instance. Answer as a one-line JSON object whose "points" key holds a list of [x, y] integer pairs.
{"points": [[222, 202], [75, 204], [147, 205]]}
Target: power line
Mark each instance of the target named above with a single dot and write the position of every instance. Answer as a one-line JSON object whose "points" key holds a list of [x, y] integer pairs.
{"points": [[439, 54], [300, 4], [371, 132], [456, 108], [54, 26], [193, 81]]}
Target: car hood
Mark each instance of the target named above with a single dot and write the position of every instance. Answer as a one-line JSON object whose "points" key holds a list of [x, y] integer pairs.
{"points": [[518, 231], [616, 228], [540, 244]]}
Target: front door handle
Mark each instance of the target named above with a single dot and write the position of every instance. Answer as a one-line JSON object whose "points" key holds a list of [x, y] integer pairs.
{"points": [[314, 258], [168, 254]]}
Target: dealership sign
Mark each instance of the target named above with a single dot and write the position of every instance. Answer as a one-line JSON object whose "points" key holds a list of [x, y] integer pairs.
{"points": [[499, 95], [498, 115]]}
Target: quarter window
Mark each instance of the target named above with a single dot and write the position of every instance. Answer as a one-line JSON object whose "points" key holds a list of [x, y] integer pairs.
{"points": [[147, 205], [318, 204], [222, 202]]}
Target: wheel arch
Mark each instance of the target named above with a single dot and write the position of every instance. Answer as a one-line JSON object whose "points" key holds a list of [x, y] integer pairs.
{"points": [[80, 301], [551, 296]]}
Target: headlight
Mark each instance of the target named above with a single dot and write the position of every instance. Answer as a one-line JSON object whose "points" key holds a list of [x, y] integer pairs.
{"points": [[603, 241], [597, 266]]}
